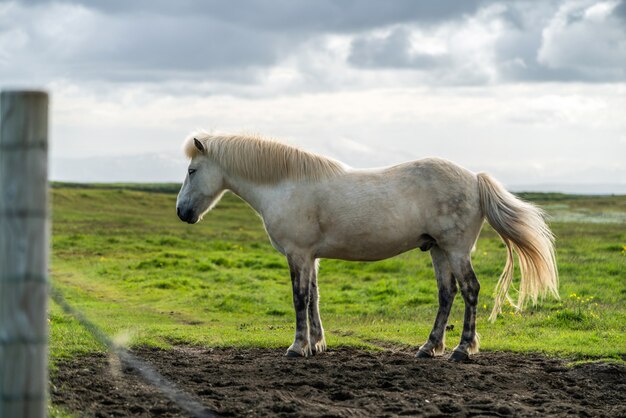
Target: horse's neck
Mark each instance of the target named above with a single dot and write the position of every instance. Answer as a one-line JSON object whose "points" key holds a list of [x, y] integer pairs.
{"points": [[257, 196]]}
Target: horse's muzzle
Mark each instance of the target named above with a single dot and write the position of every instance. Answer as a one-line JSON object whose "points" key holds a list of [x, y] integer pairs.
{"points": [[186, 215]]}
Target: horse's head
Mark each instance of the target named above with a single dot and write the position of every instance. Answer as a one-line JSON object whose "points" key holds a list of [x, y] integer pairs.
{"points": [[203, 185]]}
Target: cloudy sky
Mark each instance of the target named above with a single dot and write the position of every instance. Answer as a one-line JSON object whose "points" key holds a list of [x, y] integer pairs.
{"points": [[533, 92]]}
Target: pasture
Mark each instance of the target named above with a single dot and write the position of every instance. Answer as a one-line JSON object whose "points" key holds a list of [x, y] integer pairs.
{"points": [[121, 256]]}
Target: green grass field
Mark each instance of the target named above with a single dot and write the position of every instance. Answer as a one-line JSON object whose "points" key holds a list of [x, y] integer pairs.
{"points": [[121, 256]]}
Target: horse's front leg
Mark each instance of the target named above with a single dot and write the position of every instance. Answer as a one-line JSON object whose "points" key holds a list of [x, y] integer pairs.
{"points": [[301, 273], [316, 331]]}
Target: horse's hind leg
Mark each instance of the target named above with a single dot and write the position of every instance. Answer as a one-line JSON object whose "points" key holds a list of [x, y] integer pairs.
{"points": [[301, 272], [316, 331], [464, 273], [447, 290]]}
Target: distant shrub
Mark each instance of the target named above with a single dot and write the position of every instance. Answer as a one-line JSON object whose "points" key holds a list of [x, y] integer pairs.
{"points": [[275, 312], [203, 267], [222, 261], [155, 263]]}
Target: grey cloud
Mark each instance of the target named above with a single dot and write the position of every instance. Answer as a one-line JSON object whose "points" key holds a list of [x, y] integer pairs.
{"points": [[294, 15], [238, 42], [592, 45], [163, 48], [210, 40], [531, 71], [390, 51], [528, 14], [523, 50], [518, 49], [620, 10], [141, 48]]}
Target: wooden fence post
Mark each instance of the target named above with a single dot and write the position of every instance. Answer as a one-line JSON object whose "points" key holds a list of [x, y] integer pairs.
{"points": [[24, 247]]}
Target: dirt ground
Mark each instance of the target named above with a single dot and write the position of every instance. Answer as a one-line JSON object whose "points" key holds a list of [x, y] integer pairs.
{"points": [[343, 382]]}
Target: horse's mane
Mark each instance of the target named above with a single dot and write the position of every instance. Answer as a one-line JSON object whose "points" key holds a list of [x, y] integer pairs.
{"points": [[262, 160]]}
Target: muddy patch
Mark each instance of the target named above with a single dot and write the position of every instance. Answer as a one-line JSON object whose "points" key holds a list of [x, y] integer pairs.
{"points": [[343, 382]]}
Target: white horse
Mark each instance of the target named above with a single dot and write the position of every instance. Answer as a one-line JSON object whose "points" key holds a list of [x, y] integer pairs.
{"points": [[315, 207]]}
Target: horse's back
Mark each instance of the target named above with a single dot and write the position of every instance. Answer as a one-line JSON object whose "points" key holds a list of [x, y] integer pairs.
{"points": [[436, 185], [435, 175]]}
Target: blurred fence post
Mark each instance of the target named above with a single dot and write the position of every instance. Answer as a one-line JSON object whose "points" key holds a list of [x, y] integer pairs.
{"points": [[24, 247]]}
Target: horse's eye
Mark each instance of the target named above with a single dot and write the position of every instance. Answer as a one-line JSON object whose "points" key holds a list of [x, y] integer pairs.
{"points": [[191, 171]]}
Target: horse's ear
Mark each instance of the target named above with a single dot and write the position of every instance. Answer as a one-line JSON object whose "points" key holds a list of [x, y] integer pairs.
{"points": [[198, 145]]}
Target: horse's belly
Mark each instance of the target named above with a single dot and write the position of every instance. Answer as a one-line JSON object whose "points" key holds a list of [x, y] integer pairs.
{"points": [[370, 228], [357, 247]]}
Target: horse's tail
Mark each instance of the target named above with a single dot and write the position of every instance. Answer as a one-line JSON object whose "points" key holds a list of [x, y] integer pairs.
{"points": [[522, 227]]}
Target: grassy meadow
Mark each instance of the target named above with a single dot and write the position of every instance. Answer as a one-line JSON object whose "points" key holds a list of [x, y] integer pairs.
{"points": [[121, 256]]}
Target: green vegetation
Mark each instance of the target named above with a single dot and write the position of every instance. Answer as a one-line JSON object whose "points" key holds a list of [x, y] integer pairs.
{"points": [[122, 257]]}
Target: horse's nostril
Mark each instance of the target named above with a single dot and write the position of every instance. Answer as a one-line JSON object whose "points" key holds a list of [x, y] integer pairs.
{"points": [[178, 211]]}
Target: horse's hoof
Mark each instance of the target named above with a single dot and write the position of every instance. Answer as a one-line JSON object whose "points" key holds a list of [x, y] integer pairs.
{"points": [[293, 354], [423, 354], [458, 356], [319, 347]]}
